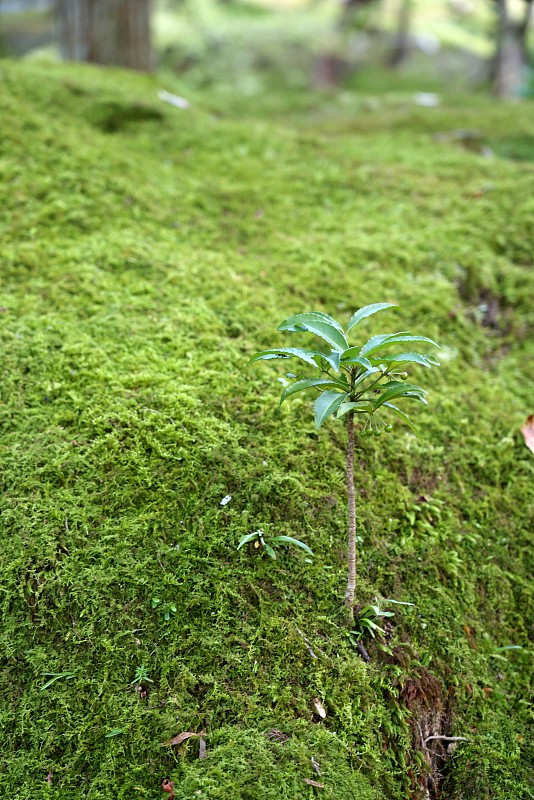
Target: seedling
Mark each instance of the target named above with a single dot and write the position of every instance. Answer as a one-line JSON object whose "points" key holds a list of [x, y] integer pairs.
{"points": [[141, 676], [167, 608], [268, 544], [356, 382], [367, 617], [367, 624]]}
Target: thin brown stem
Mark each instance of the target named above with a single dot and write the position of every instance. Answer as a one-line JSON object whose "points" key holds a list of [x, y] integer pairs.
{"points": [[351, 556]]}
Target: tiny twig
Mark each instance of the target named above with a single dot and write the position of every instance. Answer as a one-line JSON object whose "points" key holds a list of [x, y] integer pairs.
{"points": [[316, 766], [374, 383], [435, 754], [446, 739], [307, 643], [423, 743], [363, 652]]}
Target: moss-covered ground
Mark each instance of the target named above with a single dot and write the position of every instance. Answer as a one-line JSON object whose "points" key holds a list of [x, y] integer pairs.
{"points": [[146, 253]]}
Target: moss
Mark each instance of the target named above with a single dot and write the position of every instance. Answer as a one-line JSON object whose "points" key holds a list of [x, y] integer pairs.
{"points": [[140, 270]]}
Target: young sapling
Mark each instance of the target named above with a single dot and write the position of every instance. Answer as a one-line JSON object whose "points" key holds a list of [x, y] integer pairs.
{"points": [[358, 382]]}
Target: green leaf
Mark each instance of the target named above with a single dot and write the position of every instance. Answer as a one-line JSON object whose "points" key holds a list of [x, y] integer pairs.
{"points": [[325, 405], [400, 390], [269, 550], [307, 383], [352, 356], [417, 396], [376, 341], [402, 358], [318, 315], [114, 732], [248, 538], [366, 311], [406, 336], [285, 352], [432, 359], [291, 540], [365, 611], [371, 626], [331, 358], [361, 406], [395, 382], [404, 417], [321, 325], [56, 676], [398, 602]]}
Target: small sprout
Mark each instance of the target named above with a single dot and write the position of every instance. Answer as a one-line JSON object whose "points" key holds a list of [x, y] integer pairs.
{"points": [[167, 609], [267, 544], [141, 676], [367, 621]]}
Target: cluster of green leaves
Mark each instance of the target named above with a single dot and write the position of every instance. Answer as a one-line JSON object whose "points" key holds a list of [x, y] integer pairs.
{"points": [[359, 379], [167, 608], [268, 543], [366, 622], [141, 676]]}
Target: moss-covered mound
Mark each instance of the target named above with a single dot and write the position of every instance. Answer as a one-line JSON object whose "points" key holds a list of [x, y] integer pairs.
{"points": [[146, 252]]}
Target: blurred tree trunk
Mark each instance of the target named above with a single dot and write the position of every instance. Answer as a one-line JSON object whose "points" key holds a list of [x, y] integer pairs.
{"points": [[401, 38], [106, 32], [331, 68], [350, 11], [511, 58]]}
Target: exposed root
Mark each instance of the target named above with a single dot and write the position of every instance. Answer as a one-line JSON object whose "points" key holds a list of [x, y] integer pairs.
{"points": [[430, 722]]}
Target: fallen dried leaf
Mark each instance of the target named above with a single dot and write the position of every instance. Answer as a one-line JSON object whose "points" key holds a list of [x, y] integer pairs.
{"points": [[314, 783], [320, 708], [202, 748], [168, 786], [182, 737], [49, 778], [528, 432]]}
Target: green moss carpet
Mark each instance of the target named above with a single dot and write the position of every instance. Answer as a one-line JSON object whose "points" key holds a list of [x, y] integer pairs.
{"points": [[146, 253]]}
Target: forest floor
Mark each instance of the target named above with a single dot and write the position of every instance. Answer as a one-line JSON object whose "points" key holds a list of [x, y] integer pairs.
{"points": [[146, 252]]}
